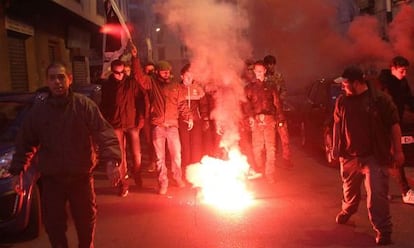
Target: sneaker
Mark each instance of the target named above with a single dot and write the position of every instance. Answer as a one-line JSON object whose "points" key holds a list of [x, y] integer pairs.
{"points": [[122, 190], [408, 197], [342, 218], [180, 183], [163, 190], [252, 174], [152, 167], [383, 239]]}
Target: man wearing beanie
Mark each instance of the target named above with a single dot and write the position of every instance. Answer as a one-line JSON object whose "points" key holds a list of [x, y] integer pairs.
{"points": [[167, 103]]}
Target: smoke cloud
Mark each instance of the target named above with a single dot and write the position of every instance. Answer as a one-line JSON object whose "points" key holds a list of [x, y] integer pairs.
{"points": [[316, 39], [310, 39], [213, 33]]}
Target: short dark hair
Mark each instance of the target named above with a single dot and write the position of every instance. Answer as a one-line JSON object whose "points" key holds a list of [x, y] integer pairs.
{"points": [[269, 59], [400, 61], [149, 63], [117, 62], [260, 62], [57, 64], [185, 68], [353, 73]]}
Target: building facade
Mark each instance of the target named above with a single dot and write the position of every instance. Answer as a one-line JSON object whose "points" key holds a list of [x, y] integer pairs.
{"points": [[35, 33]]}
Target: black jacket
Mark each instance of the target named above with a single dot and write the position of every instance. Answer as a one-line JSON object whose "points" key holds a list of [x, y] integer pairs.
{"points": [[399, 90], [63, 132]]}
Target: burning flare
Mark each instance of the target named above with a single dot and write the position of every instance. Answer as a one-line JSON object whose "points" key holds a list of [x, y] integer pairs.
{"points": [[222, 183]]}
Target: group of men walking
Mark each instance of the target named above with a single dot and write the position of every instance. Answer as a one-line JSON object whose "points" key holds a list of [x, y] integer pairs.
{"points": [[179, 115], [63, 128]]}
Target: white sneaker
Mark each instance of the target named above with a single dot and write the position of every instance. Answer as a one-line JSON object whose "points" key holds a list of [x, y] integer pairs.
{"points": [[408, 197], [163, 190], [251, 174]]}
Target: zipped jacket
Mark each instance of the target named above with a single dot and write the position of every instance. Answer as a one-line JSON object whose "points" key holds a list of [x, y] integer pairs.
{"points": [[194, 94], [123, 102], [166, 98], [63, 132]]}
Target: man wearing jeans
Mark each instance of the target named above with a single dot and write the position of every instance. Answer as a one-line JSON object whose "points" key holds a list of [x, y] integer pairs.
{"points": [[167, 102], [367, 139], [123, 106]]}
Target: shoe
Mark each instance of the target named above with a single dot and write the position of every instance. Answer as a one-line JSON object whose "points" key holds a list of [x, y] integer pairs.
{"points": [[152, 167], [180, 183], [163, 190], [383, 239], [342, 218], [252, 174], [122, 190], [408, 197]]}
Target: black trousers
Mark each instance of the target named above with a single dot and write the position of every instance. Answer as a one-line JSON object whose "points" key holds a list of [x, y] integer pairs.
{"points": [[79, 192]]}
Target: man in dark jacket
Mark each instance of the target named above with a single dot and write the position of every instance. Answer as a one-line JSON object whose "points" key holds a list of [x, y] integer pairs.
{"points": [[62, 128], [366, 127], [123, 105], [265, 113], [191, 140], [394, 82]]}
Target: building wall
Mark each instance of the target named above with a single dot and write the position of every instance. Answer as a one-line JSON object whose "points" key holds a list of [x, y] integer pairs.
{"points": [[64, 30], [4, 58]]}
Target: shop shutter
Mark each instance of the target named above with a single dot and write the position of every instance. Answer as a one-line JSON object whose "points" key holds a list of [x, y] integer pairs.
{"points": [[80, 70], [18, 64]]}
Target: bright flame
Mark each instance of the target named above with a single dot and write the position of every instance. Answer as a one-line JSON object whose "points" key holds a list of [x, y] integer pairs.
{"points": [[222, 183]]}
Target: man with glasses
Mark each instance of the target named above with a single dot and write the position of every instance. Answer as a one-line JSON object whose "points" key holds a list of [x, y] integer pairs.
{"points": [[123, 105]]}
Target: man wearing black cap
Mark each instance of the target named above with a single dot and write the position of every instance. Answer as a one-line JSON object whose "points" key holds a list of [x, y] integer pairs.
{"points": [[367, 139]]}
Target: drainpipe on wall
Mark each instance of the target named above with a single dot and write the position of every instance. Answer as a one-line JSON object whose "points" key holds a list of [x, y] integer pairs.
{"points": [[388, 4]]}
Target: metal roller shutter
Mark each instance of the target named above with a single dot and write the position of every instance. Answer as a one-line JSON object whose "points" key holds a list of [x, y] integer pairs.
{"points": [[18, 64]]}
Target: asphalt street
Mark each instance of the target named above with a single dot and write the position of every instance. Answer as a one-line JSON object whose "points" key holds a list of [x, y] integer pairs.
{"points": [[297, 211]]}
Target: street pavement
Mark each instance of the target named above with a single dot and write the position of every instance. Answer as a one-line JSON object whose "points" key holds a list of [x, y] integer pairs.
{"points": [[297, 211]]}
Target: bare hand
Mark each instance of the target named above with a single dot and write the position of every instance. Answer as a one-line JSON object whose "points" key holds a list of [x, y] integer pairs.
{"points": [[134, 50], [398, 158], [206, 125], [190, 124], [251, 122], [141, 123]]}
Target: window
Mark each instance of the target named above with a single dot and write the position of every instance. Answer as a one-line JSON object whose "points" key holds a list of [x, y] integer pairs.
{"points": [[53, 51], [18, 63], [100, 8]]}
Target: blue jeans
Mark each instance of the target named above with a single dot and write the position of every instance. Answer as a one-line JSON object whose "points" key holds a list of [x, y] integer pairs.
{"points": [[134, 141], [354, 172], [171, 136]]}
